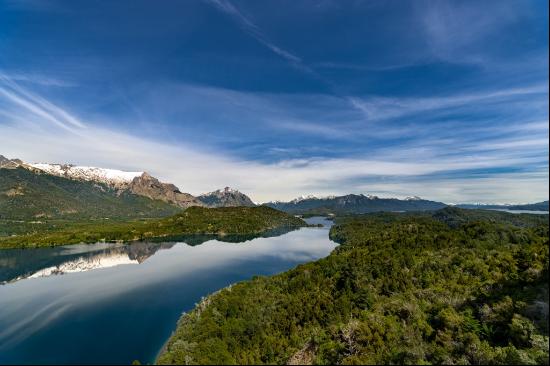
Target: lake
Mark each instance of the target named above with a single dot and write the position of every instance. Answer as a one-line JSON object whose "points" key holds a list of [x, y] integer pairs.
{"points": [[522, 211], [109, 303]]}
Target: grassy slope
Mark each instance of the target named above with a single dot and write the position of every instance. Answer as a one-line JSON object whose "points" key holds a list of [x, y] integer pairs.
{"points": [[400, 289], [27, 195], [194, 220]]}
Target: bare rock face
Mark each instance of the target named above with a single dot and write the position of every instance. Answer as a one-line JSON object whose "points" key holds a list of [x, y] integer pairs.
{"points": [[226, 197], [148, 186], [9, 163]]}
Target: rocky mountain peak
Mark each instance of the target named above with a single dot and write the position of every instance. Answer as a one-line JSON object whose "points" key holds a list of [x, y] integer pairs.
{"points": [[9, 163], [149, 186], [226, 197]]}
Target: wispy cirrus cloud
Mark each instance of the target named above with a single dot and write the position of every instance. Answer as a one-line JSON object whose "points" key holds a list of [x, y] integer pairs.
{"points": [[36, 79], [508, 111], [251, 28], [455, 31], [378, 108], [312, 128], [196, 169], [37, 105]]}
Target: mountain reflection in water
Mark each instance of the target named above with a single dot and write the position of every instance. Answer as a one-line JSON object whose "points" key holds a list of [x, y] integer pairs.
{"points": [[18, 264]]}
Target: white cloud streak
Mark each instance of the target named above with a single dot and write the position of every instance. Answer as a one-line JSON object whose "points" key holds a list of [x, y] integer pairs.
{"points": [[71, 140], [38, 105], [197, 171], [252, 29], [377, 108], [454, 30]]}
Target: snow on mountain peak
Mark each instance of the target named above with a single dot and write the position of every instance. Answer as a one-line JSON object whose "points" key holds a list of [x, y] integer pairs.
{"points": [[220, 192], [228, 190], [108, 176], [303, 198], [413, 198]]}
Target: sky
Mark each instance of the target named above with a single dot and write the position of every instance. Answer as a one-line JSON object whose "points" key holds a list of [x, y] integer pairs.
{"points": [[447, 100]]}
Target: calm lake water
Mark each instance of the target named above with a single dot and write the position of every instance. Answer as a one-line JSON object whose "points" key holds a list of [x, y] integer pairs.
{"points": [[107, 303], [523, 211]]}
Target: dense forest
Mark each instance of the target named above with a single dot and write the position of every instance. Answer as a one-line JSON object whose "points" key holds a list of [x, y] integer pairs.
{"points": [[453, 287], [225, 221]]}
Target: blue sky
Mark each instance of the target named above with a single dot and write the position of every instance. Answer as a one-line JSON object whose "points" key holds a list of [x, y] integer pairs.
{"points": [[443, 99]]}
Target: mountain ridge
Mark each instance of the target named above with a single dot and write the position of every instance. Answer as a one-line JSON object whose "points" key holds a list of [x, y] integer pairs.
{"points": [[353, 203], [143, 184], [140, 183], [28, 194]]}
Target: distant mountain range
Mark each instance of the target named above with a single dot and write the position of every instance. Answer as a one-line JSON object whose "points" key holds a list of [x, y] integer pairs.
{"points": [[64, 190], [539, 206], [353, 203]]}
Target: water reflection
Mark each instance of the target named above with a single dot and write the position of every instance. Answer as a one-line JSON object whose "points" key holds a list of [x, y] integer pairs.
{"points": [[18, 264], [125, 312]]}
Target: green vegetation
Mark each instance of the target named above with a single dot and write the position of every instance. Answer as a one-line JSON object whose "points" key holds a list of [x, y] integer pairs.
{"points": [[193, 221], [456, 286], [28, 195]]}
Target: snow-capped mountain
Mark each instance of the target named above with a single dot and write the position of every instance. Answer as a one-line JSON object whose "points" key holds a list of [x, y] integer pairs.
{"points": [[311, 197], [227, 197], [135, 182], [140, 183], [303, 198], [111, 177]]}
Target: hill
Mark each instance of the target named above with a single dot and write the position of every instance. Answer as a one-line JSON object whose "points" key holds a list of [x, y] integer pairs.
{"points": [[400, 289], [224, 222]]}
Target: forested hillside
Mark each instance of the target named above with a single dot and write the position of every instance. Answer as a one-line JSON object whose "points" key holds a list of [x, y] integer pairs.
{"points": [[193, 221], [458, 286], [25, 194]]}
